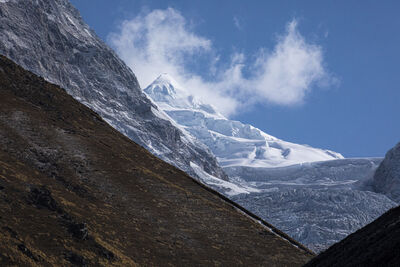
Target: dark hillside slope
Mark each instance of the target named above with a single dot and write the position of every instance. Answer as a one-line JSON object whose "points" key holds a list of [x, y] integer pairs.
{"points": [[74, 190], [377, 244], [50, 39]]}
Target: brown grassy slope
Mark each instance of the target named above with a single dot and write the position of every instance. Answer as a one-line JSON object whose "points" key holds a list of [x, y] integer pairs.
{"points": [[74, 190], [377, 244]]}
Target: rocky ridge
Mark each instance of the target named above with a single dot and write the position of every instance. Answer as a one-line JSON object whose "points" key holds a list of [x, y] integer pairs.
{"points": [[49, 38], [387, 177], [74, 191]]}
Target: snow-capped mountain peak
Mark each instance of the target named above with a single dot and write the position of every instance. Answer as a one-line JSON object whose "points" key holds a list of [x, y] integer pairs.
{"points": [[165, 88], [317, 184], [170, 95], [50, 39], [234, 143]]}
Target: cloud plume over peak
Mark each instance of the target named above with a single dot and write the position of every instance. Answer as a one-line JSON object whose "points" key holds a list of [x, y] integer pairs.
{"points": [[161, 41], [157, 42]]}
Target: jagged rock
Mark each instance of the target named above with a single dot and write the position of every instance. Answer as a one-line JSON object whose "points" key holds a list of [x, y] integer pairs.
{"points": [[49, 38], [145, 211], [78, 230], [387, 176], [41, 198], [27, 252]]}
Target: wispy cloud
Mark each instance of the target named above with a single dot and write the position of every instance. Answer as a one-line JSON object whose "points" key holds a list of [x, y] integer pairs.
{"points": [[287, 74], [237, 23], [161, 41]]}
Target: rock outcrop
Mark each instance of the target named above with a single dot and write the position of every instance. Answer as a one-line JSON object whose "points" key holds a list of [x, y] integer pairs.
{"points": [[387, 176]]}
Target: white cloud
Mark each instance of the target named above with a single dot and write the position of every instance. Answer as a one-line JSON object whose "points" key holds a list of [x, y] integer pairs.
{"points": [[287, 74], [161, 41], [157, 42]]}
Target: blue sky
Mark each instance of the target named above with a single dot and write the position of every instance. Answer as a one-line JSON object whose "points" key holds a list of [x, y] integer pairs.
{"points": [[344, 92]]}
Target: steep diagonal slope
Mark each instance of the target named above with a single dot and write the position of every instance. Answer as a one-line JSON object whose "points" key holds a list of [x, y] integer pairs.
{"points": [[49, 38], [377, 244], [73, 189], [318, 202]]}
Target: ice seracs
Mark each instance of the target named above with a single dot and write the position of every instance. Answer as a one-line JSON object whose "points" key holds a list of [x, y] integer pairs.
{"points": [[312, 194], [49, 38], [232, 142]]}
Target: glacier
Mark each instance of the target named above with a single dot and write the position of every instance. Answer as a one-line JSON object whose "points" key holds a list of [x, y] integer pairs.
{"points": [[317, 203], [232, 142], [314, 195]]}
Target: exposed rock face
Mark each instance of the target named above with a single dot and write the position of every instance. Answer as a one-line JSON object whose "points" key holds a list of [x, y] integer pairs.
{"points": [[387, 176], [49, 38], [74, 191], [377, 244]]}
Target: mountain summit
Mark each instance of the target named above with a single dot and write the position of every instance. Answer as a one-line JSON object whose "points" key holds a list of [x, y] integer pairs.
{"points": [[170, 95], [165, 88], [232, 142], [313, 194]]}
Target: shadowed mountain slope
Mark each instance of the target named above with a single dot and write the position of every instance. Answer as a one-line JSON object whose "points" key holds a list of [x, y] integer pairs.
{"points": [[73, 190], [50, 39], [387, 177], [377, 244]]}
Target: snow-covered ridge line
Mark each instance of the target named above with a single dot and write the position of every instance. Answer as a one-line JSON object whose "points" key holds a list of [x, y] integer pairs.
{"points": [[228, 187], [232, 142], [313, 194]]}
